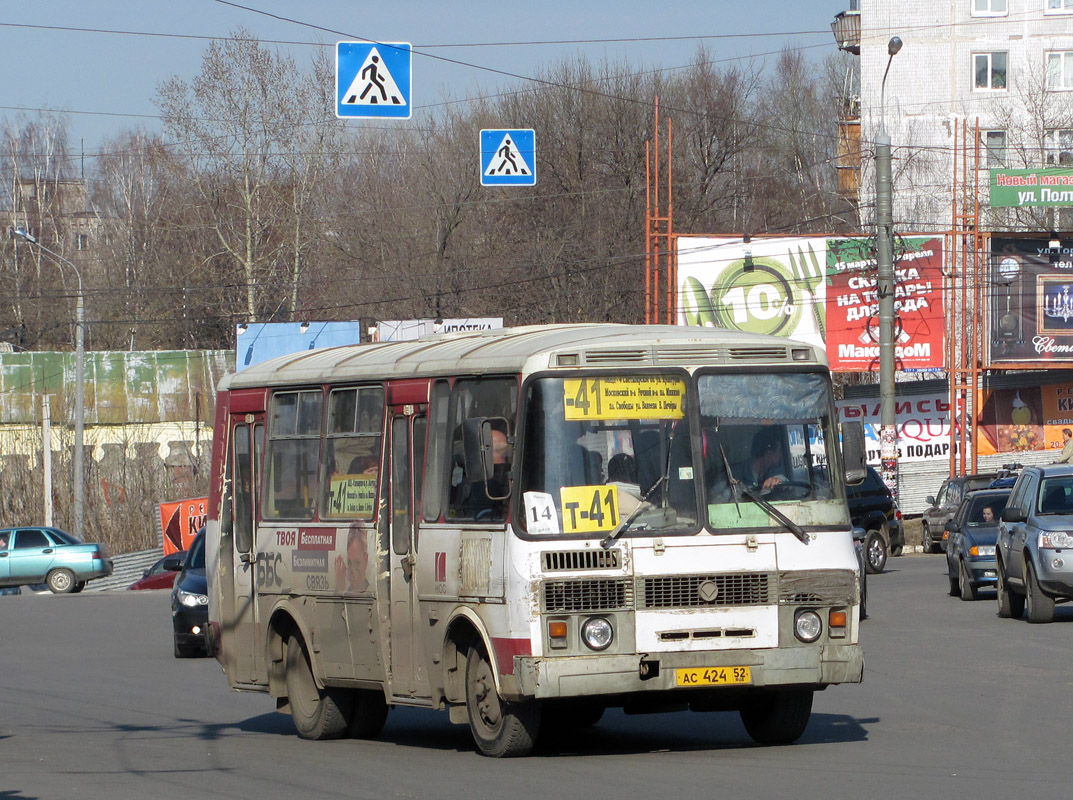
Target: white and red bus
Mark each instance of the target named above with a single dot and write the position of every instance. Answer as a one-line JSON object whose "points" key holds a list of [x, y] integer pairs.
{"points": [[527, 526]]}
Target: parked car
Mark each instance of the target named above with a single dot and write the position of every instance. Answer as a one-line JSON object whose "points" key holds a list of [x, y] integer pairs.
{"points": [[872, 507], [970, 546], [190, 604], [48, 555], [1007, 476], [1034, 533], [943, 505], [162, 574]]}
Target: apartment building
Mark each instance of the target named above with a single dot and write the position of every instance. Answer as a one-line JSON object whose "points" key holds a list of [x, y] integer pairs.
{"points": [[1005, 65]]}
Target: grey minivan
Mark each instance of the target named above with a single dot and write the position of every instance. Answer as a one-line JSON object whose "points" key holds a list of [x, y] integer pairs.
{"points": [[943, 505]]}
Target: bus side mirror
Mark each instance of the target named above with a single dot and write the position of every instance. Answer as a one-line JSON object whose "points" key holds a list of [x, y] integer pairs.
{"points": [[853, 451], [479, 435]]}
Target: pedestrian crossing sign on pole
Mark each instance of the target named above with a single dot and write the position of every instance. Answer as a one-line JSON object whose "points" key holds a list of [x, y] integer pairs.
{"points": [[372, 79], [508, 157]]}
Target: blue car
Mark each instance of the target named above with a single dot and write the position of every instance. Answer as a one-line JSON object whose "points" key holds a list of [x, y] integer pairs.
{"points": [[970, 544], [52, 557]]}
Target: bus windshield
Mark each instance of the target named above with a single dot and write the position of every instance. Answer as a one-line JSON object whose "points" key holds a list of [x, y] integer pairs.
{"points": [[604, 450], [765, 441]]}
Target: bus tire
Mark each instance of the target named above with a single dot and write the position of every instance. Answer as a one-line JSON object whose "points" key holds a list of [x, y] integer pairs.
{"points": [[368, 714], [778, 717], [500, 728], [317, 713]]}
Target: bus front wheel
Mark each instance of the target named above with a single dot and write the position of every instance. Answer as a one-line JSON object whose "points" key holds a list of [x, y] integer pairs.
{"points": [[778, 717], [318, 713], [500, 728]]}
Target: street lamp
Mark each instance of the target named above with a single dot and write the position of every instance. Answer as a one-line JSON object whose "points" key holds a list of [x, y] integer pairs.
{"points": [[888, 436], [80, 371]]}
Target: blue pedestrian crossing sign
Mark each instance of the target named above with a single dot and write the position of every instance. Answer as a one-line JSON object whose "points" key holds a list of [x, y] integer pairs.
{"points": [[508, 157], [372, 79]]}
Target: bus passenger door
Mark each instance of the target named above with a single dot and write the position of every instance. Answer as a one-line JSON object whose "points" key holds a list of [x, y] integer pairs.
{"points": [[246, 656], [409, 677]]}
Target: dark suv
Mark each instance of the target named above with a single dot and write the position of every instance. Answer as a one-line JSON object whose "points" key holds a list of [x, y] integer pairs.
{"points": [[1035, 535], [872, 507], [945, 503]]}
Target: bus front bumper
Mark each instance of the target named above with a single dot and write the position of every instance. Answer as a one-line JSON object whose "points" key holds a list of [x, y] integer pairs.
{"points": [[582, 676]]}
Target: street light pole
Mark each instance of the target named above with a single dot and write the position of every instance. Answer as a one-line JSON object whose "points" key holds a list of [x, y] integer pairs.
{"points": [[888, 436], [80, 384]]}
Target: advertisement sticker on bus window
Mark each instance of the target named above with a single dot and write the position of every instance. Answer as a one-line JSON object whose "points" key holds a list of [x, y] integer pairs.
{"points": [[640, 397], [351, 496], [540, 516], [589, 509]]}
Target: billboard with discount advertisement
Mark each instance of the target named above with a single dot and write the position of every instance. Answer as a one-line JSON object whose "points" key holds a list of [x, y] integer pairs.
{"points": [[769, 285], [853, 304], [817, 289]]}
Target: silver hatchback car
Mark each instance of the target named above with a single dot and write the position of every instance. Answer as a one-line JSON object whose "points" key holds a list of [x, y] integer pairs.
{"points": [[1034, 548]]}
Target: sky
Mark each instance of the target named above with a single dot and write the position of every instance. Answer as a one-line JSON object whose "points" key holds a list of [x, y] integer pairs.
{"points": [[69, 56]]}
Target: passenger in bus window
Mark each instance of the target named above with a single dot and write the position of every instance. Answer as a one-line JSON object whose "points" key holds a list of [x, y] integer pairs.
{"points": [[363, 465]]}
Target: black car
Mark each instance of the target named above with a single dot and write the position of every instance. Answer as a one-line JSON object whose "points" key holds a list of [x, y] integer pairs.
{"points": [[872, 507], [190, 604], [970, 544], [943, 505]]}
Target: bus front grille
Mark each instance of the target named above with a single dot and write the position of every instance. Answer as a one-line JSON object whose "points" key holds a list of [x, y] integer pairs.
{"points": [[693, 591], [765, 354], [590, 594], [565, 560], [818, 587]]}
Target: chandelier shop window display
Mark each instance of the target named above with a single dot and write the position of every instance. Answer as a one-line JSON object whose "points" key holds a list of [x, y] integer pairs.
{"points": [[1057, 304]]}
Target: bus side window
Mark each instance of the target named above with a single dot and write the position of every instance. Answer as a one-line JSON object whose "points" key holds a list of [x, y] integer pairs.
{"points": [[352, 454], [436, 468], [290, 487], [242, 490], [471, 495]]}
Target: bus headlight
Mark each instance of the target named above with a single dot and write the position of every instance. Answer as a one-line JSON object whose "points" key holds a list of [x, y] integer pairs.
{"points": [[807, 626], [597, 633]]}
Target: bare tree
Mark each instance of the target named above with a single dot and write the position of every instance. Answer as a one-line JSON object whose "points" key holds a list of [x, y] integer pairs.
{"points": [[237, 124]]}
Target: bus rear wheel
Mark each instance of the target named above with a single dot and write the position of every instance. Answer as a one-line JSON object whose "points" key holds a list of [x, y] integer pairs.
{"points": [[500, 728], [318, 713], [778, 717]]}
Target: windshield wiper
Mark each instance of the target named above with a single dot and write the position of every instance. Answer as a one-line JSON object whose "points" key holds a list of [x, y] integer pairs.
{"points": [[626, 523], [791, 526], [737, 486]]}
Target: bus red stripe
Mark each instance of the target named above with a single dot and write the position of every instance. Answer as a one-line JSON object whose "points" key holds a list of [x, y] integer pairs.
{"points": [[507, 649]]}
